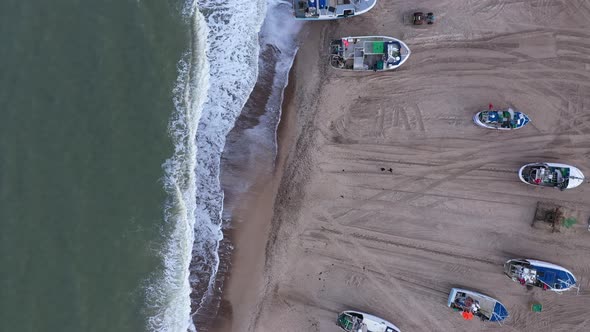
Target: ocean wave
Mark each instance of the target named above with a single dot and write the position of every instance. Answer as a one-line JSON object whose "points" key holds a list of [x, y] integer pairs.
{"points": [[233, 55], [169, 297], [279, 32], [215, 78]]}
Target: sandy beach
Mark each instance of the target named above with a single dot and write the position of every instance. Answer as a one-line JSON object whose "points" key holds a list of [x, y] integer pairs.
{"points": [[385, 195]]}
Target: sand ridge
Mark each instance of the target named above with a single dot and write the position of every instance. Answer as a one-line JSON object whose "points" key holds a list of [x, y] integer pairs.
{"points": [[347, 233]]}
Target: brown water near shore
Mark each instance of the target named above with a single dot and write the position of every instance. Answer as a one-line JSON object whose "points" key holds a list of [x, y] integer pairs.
{"points": [[252, 213], [250, 164]]}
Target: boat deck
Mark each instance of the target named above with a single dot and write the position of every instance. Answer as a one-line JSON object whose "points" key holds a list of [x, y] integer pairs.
{"points": [[547, 176], [368, 53]]}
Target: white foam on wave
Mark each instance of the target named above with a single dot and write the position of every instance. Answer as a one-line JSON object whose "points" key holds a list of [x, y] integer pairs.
{"points": [[233, 54], [216, 77], [169, 297], [280, 30]]}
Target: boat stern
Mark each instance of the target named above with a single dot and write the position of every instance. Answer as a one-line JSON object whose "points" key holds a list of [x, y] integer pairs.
{"points": [[477, 121], [508, 268], [452, 296], [521, 172], [345, 321], [300, 8]]}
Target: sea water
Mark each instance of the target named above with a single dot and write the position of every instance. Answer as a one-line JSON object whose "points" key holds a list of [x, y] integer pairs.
{"points": [[114, 119], [85, 103]]}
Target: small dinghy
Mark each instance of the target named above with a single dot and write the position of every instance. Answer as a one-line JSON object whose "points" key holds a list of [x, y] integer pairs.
{"points": [[472, 304], [553, 175], [355, 321], [541, 274], [507, 119], [369, 53]]}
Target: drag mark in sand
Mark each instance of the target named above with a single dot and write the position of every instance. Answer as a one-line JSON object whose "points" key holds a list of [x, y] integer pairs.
{"points": [[404, 197]]}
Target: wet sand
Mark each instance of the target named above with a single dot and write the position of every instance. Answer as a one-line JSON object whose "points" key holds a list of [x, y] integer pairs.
{"points": [[331, 230]]}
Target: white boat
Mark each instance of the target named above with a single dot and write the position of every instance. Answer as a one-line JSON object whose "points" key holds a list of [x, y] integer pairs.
{"points": [[506, 119], [477, 304], [553, 175], [368, 53], [529, 272], [330, 9], [356, 321]]}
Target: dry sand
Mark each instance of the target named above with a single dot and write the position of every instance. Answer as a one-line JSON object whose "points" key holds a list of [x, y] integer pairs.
{"points": [[346, 235]]}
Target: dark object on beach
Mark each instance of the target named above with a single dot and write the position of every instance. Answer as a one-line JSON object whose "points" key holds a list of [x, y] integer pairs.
{"points": [[418, 18], [430, 18]]}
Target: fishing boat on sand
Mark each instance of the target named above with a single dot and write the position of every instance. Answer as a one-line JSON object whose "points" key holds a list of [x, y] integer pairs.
{"points": [[368, 53], [553, 175], [330, 9], [355, 321], [507, 119], [541, 274], [472, 304]]}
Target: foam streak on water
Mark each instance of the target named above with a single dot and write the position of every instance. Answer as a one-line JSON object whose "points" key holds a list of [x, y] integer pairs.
{"points": [[279, 32]]}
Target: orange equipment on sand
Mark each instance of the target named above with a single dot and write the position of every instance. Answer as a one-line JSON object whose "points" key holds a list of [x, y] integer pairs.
{"points": [[467, 315]]}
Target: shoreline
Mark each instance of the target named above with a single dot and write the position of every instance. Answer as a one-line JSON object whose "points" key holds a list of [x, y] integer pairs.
{"points": [[252, 218], [251, 145]]}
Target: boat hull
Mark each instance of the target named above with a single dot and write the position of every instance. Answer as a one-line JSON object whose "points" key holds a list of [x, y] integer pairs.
{"points": [[577, 177]]}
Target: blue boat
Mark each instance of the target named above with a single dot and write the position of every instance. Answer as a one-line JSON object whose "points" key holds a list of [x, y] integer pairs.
{"points": [[507, 119], [477, 304], [548, 276]]}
